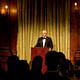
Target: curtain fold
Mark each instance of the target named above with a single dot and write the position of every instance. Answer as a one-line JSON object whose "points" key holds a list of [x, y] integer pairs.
{"points": [[36, 15]]}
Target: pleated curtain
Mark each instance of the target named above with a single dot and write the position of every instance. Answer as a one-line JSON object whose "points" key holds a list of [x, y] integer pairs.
{"points": [[37, 15]]}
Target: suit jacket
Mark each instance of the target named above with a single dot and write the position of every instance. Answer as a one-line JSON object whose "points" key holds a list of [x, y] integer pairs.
{"points": [[48, 42]]}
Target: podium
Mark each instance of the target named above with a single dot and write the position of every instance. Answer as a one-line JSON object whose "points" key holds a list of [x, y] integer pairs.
{"points": [[39, 52]]}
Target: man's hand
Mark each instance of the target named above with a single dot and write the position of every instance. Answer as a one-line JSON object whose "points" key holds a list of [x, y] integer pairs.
{"points": [[49, 49]]}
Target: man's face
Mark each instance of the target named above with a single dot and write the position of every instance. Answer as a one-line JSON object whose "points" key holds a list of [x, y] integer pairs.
{"points": [[44, 33]]}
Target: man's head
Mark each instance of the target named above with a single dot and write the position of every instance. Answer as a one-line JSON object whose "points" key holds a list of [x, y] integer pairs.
{"points": [[44, 33]]}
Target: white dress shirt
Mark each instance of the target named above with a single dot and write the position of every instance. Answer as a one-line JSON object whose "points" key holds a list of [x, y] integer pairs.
{"points": [[44, 41]]}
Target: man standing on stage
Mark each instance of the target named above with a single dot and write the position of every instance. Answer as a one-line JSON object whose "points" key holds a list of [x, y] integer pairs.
{"points": [[45, 41]]}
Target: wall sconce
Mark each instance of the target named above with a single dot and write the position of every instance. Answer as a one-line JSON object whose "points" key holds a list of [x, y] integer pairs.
{"points": [[5, 10], [6, 6], [76, 6], [76, 9]]}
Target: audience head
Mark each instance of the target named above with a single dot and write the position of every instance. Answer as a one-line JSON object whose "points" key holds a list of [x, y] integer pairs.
{"points": [[37, 64], [12, 61], [22, 70], [61, 58], [22, 66], [52, 60]]}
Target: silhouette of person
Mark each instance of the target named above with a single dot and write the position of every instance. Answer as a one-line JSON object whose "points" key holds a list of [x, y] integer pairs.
{"points": [[52, 62], [36, 68], [12, 61], [22, 70]]}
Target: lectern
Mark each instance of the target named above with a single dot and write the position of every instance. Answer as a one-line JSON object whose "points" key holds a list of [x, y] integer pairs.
{"points": [[39, 52]]}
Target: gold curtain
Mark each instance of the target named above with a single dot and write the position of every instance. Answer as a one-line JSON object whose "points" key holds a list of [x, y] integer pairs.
{"points": [[36, 15]]}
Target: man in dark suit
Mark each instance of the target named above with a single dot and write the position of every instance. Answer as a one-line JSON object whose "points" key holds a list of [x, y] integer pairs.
{"points": [[44, 41]]}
